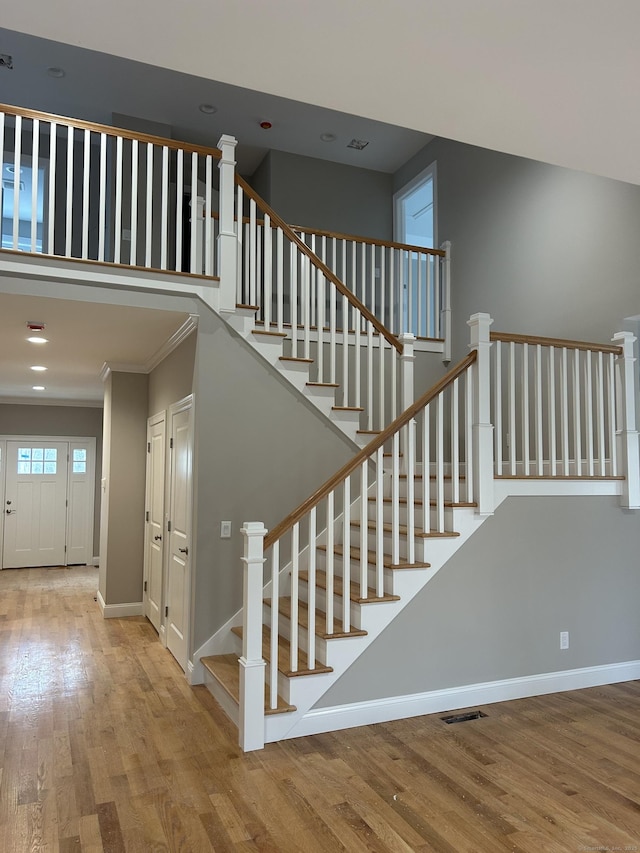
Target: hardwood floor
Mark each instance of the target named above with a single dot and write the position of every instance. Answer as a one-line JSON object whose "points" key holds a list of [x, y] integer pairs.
{"points": [[104, 747]]}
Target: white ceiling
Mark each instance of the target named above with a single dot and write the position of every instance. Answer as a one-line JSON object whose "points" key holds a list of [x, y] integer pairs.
{"points": [[555, 80], [82, 337]]}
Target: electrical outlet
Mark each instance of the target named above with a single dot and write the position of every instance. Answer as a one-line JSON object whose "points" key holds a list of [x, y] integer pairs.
{"points": [[564, 640], [225, 530]]}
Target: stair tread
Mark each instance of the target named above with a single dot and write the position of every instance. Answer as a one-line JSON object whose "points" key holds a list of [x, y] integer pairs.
{"points": [[372, 558], [421, 534], [226, 670], [447, 477], [269, 332], [323, 384], [368, 432], [354, 593], [347, 409], [284, 608], [293, 358], [247, 307], [284, 655]]}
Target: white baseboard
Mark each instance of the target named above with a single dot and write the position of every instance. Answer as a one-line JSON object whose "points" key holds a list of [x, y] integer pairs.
{"points": [[320, 720], [118, 611], [95, 561]]}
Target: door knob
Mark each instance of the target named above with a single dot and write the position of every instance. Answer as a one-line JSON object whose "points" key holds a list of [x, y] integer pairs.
{"points": [[10, 511], [157, 538], [183, 550]]}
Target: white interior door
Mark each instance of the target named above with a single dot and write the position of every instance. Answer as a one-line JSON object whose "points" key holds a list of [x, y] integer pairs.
{"points": [[178, 567], [81, 490], [154, 545], [35, 504]]}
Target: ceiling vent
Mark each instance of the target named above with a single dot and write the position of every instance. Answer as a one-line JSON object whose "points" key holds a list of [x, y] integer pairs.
{"points": [[358, 144], [6, 61]]}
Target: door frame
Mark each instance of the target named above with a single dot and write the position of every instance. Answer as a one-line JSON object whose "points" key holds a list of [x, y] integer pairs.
{"points": [[158, 418], [185, 404], [90, 440], [431, 172]]}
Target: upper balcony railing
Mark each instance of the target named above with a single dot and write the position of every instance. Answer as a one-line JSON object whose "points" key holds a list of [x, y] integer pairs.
{"points": [[76, 189]]}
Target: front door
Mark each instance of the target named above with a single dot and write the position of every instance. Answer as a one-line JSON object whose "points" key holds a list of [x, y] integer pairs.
{"points": [[154, 545], [179, 561], [35, 504]]}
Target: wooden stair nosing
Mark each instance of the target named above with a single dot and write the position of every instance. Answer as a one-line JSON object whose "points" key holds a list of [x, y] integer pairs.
{"points": [[354, 592], [354, 553], [323, 384], [295, 359], [419, 502], [347, 409], [225, 669], [247, 307], [284, 609], [269, 333], [284, 655]]}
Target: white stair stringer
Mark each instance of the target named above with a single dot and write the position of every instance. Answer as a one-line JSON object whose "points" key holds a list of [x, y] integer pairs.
{"points": [[270, 347], [374, 618]]}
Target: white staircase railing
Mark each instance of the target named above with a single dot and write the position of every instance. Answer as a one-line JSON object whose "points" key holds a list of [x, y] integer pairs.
{"points": [[76, 189], [298, 297], [380, 509], [406, 287]]}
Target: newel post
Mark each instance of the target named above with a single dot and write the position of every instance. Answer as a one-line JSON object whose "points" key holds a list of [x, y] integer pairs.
{"points": [[627, 434], [227, 239], [252, 664], [445, 313], [480, 325]]}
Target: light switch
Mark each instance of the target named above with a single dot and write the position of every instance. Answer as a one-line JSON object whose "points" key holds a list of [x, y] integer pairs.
{"points": [[225, 530]]}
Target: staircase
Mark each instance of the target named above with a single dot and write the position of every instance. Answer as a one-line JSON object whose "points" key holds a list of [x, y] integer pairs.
{"points": [[358, 551]]}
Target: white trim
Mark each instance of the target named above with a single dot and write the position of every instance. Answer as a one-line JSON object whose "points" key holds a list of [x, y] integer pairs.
{"points": [[173, 342], [320, 720], [430, 171], [119, 611], [95, 561], [49, 401]]}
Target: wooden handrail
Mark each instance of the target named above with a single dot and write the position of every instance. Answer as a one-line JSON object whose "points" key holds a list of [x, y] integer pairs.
{"points": [[324, 269], [507, 338], [390, 244], [80, 124], [299, 513]]}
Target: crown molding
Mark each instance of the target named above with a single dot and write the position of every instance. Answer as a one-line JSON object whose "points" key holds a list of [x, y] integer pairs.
{"points": [[181, 334]]}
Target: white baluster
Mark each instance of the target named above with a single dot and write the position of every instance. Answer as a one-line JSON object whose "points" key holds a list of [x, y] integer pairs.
{"points": [[455, 448], [410, 294], [208, 218], [320, 279], [195, 254], [538, 410], [497, 411], [293, 265], [345, 351], [392, 294], [577, 419], [280, 279], [588, 404], [133, 248], [411, 491], [227, 249], [468, 434], [17, 169], [51, 218], [346, 555], [511, 402], [252, 664], [369, 404], [311, 596], [444, 317], [295, 597], [551, 386], [35, 156], [379, 522], [267, 272], [275, 626], [364, 528], [564, 411], [69, 204], [439, 404], [86, 168], [418, 324], [426, 469], [613, 444], [117, 236], [395, 499], [102, 202], [179, 202], [525, 409], [330, 561], [480, 325], [148, 237], [164, 207], [333, 294], [627, 433], [601, 415]]}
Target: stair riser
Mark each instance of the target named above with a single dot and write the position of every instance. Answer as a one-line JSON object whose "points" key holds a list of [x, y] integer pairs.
{"points": [[387, 540], [321, 604], [448, 490]]}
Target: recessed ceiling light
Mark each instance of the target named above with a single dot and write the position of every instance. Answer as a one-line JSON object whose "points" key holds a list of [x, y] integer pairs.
{"points": [[54, 71], [208, 109], [37, 367], [358, 144], [39, 388], [37, 340], [266, 125], [328, 137]]}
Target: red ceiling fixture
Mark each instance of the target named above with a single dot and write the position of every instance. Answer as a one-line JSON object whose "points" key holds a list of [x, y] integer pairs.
{"points": [[266, 125], [35, 327]]}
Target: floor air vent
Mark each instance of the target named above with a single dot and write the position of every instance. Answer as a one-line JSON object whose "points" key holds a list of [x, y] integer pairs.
{"points": [[463, 718]]}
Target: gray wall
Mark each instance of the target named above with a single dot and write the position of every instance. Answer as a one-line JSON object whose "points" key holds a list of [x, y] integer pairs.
{"points": [[172, 379], [260, 451], [59, 420], [544, 250], [124, 465], [328, 196], [496, 609]]}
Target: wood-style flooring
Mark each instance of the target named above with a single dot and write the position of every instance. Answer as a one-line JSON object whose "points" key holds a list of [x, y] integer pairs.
{"points": [[104, 747]]}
